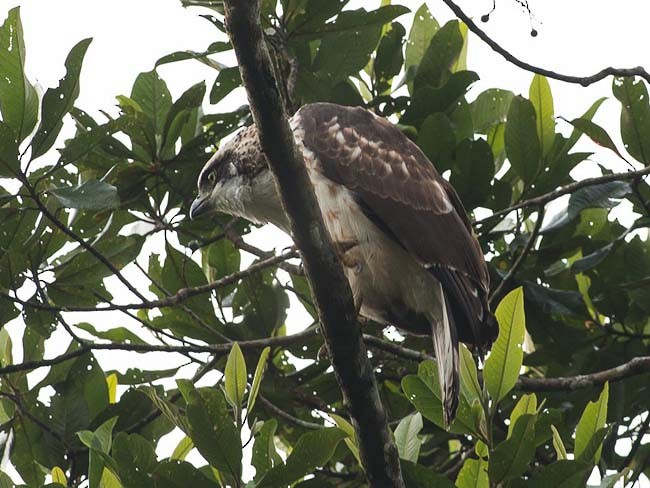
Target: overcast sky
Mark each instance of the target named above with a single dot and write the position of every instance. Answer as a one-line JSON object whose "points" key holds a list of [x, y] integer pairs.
{"points": [[576, 37]]}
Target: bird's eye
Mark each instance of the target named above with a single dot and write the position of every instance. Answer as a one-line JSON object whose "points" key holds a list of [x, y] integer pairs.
{"points": [[212, 177]]}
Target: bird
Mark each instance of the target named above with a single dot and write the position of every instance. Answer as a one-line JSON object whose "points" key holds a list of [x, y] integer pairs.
{"points": [[400, 230]]}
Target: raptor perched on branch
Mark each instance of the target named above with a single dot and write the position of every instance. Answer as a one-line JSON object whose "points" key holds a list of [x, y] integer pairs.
{"points": [[400, 229]]}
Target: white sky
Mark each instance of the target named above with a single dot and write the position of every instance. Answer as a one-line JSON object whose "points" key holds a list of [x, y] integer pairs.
{"points": [[576, 37]]}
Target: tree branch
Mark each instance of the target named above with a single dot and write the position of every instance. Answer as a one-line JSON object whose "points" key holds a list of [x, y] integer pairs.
{"points": [[177, 298], [634, 367], [274, 409], [330, 288], [87, 347], [66, 230], [565, 190], [530, 243], [240, 243], [580, 80]]}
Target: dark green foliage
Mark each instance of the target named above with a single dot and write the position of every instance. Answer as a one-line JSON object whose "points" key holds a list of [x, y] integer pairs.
{"points": [[123, 187]]}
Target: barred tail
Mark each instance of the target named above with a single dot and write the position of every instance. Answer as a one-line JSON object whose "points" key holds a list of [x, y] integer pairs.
{"points": [[445, 343]]}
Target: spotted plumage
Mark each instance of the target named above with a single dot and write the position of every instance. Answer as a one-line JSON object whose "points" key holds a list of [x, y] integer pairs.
{"points": [[402, 233]]}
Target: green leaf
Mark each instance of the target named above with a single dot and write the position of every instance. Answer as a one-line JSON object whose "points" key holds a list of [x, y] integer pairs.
{"points": [[473, 474], [542, 99], [88, 141], [593, 448], [406, 437], [491, 108], [351, 439], [461, 62], [101, 439], [511, 457], [109, 480], [423, 29], [469, 384], [136, 460], [181, 474], [57, 102], [150, 92], [527, 405], [214, 48], [180, 271], [223, 257], [504, 362], [423, 391], [212, 429], [165, 406], [635, 116], [6, 356], [596, 133], [472, 172], [9, 163], [235, 377], [442, 53], [588, 115], [312, 450], [115, 334], [389, 59], [522, 145], [84, 268], [595, 196], [560, 450], [592, 420], [418, 476], [179, 114], [182, 449], [352, 20], [227, 80], [58, 476], [437, 140], [90, 195], [135, 376], [257, 378], [429, 99], [347, 52], [111, 384], [561, 474], [99, 443], [18, 98], [264, 454]]}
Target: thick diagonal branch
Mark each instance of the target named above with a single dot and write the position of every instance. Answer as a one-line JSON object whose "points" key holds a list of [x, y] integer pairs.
{"points": [[329, 286]]}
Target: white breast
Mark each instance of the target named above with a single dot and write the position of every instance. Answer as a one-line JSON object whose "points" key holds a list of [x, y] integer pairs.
{"points": [[380, 272]]}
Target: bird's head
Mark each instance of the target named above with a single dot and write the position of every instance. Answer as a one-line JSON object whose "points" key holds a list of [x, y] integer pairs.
{"points": [[237, 181]]}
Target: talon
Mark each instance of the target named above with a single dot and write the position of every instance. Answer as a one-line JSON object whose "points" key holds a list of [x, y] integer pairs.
{"points": [[323, 353]]}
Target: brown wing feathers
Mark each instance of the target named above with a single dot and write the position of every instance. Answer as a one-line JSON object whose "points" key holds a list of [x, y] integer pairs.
{"points": [[402, 192]]}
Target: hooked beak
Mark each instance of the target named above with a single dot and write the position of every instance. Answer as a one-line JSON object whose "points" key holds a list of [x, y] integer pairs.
{"points": [[200, 205]]}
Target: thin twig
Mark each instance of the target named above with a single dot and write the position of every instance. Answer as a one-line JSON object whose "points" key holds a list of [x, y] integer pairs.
{"points": [[286, 415], [643, 428], [530, 243], [240, 243], [565, 190], [87, 347], [580, 80], [88, 247], [179, 297]]}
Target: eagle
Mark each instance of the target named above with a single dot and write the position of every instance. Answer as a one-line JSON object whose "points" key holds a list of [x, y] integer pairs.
{"points": [[400, 230]]}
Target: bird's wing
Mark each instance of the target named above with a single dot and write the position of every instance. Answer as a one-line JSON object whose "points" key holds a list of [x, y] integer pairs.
{"points": [[401, 191]]}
